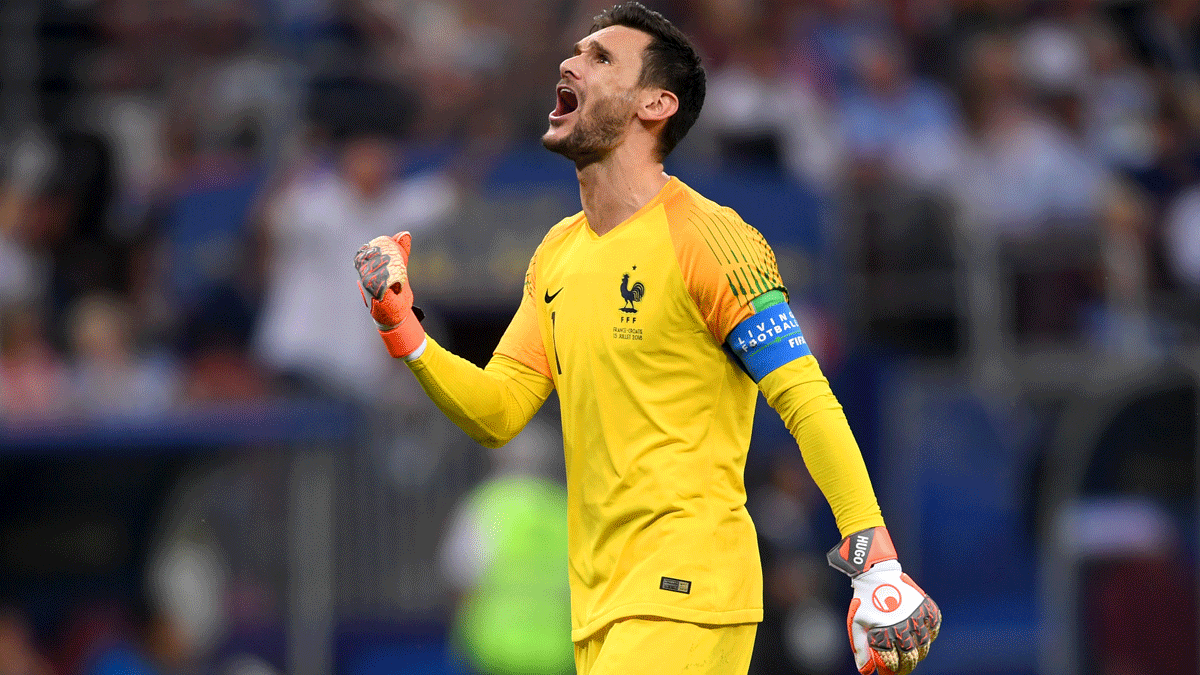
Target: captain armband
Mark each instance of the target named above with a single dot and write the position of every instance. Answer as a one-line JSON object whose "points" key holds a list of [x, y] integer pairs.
{"points": [[769, 339]]}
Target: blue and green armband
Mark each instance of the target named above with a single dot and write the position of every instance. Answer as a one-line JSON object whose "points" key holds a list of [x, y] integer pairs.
{"points": [[768, 339]]}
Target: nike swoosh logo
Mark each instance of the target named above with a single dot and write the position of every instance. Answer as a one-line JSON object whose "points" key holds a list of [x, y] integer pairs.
{"points": [[551, 297]]}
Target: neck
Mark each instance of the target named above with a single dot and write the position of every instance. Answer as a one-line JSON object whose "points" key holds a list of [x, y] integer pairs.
{"points": [[614, 188]]}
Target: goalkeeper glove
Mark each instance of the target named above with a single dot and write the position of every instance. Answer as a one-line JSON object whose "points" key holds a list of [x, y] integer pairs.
{"points": [[382, 268], [892, 622]]}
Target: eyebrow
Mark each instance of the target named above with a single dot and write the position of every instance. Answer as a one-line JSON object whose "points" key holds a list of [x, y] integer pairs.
{"points": [[595, 46]]}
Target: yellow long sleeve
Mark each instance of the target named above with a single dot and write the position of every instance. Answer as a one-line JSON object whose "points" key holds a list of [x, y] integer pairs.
{"points": [[799, 392], [491, 404]]}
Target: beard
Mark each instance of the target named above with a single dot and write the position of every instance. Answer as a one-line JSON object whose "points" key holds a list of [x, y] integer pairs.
{"points": [[594, 136]]}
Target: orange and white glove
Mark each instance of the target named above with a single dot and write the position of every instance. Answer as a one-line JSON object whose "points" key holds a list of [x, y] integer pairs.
{"points": [[382, 268], [892, 622]]}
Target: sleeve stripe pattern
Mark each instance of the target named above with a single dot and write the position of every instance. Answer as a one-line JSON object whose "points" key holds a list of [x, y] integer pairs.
{"points": [[750, 274], [530, 288], [712, 236]]}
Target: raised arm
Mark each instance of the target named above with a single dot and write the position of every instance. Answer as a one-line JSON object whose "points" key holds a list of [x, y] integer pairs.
{"points": [[491, 404]]}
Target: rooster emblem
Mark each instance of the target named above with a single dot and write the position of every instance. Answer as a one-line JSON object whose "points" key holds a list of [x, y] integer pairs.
{"points": [[631, 295]]}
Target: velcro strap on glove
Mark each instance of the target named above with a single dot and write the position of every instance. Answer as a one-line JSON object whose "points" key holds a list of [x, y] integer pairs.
{"points": [[404, 338], [859, 551]]}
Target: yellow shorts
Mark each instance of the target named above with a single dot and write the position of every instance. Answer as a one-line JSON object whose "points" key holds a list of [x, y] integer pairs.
{"points": [[646, 644]]}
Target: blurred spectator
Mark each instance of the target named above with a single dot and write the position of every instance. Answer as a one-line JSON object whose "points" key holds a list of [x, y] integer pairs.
{"points": [[205, 262], [505, 553], [187, 577], [1021, 174], [21, 274], [313, 327], [237, 85], [1176, 156], [217, 565], [246, 664], [460, 55], [219, 363], [1166, 33], [1125, 324], [18, 653], [153, 646], [762, 118], [88, 627], [831, 33], [1054, 55], [944, 32], [224, 372], [33, 377], [24, 275], [1054, 63], [1121, 103], [896, 122], [1182, 238], [109, 375], [66, 223]]}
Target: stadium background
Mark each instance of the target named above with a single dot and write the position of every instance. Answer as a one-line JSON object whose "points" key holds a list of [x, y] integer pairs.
{"points": [[987, 213]]}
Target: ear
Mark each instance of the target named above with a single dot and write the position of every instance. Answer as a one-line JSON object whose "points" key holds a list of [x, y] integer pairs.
{"points": [[657, 105]]}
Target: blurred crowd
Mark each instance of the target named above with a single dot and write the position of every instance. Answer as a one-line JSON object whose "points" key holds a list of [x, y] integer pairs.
{"points": [[184, 183]]}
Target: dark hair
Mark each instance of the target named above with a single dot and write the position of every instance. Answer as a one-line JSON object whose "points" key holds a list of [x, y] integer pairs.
{"points": [[670, 61]]}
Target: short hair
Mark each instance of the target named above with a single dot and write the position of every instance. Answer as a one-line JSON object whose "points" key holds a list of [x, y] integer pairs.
{"points": [[670, 61]]}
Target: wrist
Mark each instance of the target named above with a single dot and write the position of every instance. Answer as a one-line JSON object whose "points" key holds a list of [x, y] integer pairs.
{"points": [[416, 353], [881, 568], [406, 339], [861, 551]]}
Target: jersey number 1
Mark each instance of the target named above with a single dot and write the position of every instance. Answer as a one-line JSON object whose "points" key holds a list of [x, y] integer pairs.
{"points": [[554, 343]]}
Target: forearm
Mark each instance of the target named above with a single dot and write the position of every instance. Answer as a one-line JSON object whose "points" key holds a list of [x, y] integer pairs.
{"points": [[490, 404], [800, 394]]}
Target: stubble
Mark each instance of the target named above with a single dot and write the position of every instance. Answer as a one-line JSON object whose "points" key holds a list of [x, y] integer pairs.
{"points": [[595, 136]]}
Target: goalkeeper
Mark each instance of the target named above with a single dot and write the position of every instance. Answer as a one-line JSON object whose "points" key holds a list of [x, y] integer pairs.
{"points": [[657, 316]]}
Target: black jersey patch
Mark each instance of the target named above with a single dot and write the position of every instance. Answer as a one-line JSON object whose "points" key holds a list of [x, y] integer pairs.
{"points": [[677, 585]]}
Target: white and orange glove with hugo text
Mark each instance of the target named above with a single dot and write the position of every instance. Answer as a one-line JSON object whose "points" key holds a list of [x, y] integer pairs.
{"points": [[892, 622], [382, 268]]}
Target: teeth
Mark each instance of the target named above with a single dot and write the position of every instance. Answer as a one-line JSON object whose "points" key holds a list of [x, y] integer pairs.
{"points": [[567, 102]]}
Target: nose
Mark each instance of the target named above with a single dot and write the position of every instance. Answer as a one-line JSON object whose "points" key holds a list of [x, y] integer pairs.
{"points": [[569, 68]]}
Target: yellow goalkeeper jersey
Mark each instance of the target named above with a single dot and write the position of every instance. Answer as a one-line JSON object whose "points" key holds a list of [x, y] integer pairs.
{"points": [[656, 411]]}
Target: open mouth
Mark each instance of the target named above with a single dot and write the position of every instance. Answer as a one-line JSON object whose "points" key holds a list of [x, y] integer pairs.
{"points": [[567, 102]]}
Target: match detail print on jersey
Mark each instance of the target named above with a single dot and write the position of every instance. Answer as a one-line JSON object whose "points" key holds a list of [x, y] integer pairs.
{"points": [[770, 338], [677, 585]]}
